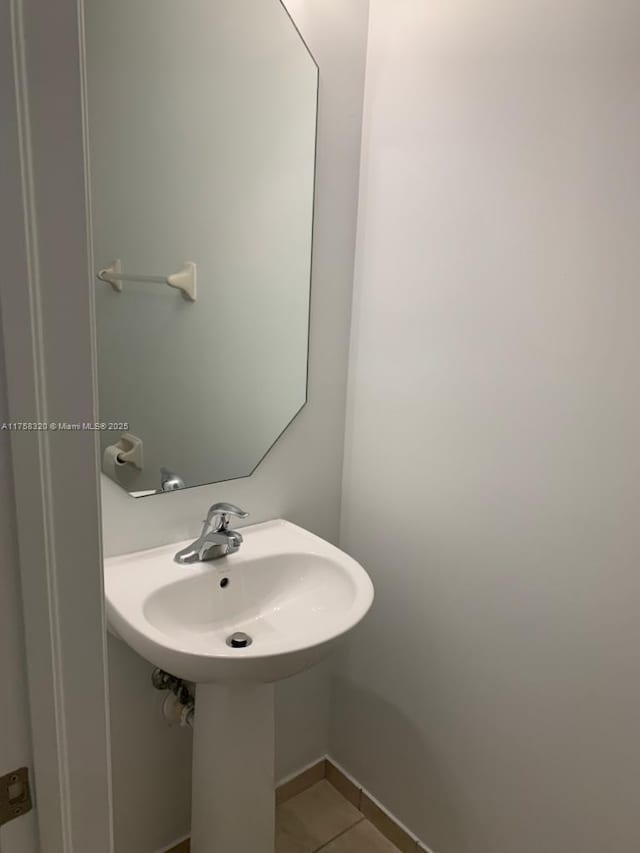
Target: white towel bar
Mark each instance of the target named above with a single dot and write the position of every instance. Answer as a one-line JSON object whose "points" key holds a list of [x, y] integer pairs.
{"points": [[184, 279]]}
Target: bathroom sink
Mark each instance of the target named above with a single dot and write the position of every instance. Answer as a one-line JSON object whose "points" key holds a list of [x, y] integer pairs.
{"points": [[287, 592], [287, 597]]}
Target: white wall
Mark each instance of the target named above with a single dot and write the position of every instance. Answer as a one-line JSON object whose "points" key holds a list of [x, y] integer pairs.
{"points": [[492, 478], [300, 479]]}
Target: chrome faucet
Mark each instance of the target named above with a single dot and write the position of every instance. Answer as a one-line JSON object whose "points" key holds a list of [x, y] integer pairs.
{"points": [[216, 539]]}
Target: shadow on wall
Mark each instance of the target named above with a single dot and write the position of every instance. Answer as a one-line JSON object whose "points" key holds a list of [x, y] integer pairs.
{"points": [[427, 805]]}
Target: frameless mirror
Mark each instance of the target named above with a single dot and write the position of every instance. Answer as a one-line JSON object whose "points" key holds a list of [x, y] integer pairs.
{"points": [[201, 120]]}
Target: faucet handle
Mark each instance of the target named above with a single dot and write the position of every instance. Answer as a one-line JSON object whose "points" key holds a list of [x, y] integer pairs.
{"points": [[224, 511]]}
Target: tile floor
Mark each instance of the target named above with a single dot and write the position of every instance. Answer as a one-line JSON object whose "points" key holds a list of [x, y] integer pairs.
{"points": [[321, 819]]}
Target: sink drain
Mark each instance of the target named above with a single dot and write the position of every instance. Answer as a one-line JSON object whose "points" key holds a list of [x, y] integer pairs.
{"points": [[239, 640]]}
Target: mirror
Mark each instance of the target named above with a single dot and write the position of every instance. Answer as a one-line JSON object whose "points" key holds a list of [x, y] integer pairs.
{"points": [[201, 122]]}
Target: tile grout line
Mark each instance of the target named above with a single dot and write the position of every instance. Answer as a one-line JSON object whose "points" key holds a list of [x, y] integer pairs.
{"points": [[339, 835]]}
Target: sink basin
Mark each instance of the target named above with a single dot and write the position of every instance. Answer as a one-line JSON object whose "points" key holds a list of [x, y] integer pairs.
{"points": [[287, 592], [291, 592]]}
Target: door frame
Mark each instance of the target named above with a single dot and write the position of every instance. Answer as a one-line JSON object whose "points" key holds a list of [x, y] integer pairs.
{"points": [[48, 327]]}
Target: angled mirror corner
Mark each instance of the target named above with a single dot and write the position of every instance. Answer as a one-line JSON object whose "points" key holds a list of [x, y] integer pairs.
{"points": [[201, 120]]}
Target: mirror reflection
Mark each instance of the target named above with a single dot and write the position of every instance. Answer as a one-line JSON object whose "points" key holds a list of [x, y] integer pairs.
{"points": [[202, 123]]}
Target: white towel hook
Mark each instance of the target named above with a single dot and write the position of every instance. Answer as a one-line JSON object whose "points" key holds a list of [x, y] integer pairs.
{"points": [[184, 279]]}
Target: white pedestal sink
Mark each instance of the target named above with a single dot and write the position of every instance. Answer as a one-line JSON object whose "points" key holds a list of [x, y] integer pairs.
{"points": [[295, 596]]}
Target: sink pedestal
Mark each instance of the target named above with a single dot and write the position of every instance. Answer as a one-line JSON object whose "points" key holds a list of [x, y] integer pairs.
{"points": [[233, 799]]}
